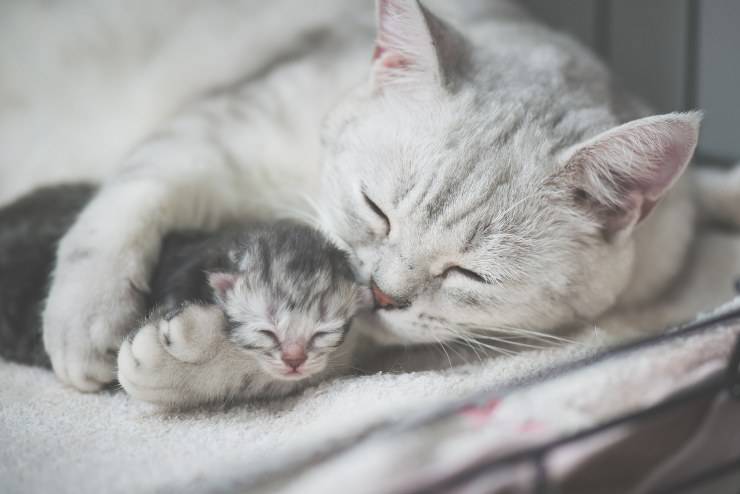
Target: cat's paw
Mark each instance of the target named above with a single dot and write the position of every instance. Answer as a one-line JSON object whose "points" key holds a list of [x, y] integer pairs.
{"points": [[169, 361], [92, 303]]}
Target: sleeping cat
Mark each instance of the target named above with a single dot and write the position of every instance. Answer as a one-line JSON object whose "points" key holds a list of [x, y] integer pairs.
{"points": [[263, 309], [487, 175]]}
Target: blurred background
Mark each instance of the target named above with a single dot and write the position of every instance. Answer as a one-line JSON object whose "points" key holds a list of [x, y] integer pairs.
{"points": [[676, 54]]}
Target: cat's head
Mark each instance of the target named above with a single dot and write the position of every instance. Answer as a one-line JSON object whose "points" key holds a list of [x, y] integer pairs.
{"points": [[493, 186], [292, 299]]}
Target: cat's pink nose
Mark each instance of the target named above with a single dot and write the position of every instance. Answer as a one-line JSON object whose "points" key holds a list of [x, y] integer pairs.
{"points": [[385, 301], [294, 356]]}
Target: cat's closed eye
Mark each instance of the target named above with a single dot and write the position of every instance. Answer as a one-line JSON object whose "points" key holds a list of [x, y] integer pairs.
{"points": [[378, 212], [464, 272]]}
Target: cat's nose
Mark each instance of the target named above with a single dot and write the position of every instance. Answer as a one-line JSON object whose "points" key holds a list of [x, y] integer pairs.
{"points": [[294, 357], [385, 301]]}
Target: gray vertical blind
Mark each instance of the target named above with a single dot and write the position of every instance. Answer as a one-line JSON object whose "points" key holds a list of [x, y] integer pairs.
{"points": [[676, 54]]}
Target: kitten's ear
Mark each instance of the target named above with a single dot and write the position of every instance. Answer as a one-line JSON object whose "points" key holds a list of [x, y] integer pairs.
{"points": [[414, 49], [621, 174], [221, 283]]}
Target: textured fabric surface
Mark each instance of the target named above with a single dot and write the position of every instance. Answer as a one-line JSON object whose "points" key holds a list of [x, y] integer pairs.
{"points": [[643, 417], [56, 439]]}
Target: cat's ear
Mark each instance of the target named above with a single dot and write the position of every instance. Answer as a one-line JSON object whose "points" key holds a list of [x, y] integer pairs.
{"points": [[621, 174], [222, 283], [414, 49]]}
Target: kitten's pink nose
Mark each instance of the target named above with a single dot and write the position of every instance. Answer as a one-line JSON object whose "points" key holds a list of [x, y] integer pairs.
{"points": [[294, 355]]}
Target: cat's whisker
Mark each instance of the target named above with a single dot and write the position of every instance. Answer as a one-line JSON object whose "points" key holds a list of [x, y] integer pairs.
{"points": [[470, 340], [493, 348], [513, 342], [461, 338], [439, 343], [472, 347], [489, 346], [452, 348], [517, 331], [518, 340]]}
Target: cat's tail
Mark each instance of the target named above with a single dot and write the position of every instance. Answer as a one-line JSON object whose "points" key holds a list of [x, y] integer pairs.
{"points": [[717, 192]]}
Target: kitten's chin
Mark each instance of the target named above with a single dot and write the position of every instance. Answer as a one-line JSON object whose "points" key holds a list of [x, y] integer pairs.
{"points": [[282, 374]]}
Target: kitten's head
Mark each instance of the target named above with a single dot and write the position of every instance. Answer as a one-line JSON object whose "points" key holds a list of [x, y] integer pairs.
{"points": [[491, 187], [292, 299]]}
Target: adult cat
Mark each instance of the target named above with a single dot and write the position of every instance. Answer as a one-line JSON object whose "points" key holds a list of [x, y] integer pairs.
{"points": [[489, 178]]}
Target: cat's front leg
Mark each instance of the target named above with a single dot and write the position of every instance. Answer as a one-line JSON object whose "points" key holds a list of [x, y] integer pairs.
{"points": [[104, 262]]}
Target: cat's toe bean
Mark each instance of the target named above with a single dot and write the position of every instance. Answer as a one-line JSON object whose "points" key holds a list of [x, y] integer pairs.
{"points": [[146, 348], [142, 383]]}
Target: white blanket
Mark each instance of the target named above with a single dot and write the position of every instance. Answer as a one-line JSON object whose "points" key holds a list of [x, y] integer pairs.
{"points": [[55, 439]]}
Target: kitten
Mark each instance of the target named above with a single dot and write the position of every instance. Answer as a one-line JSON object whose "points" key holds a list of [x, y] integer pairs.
{"points": [[266, 306], [488, 176], [275, 318]]}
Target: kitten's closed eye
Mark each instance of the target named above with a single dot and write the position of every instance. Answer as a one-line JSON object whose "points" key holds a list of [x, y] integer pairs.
{"points": [[464, 272], [326, 339], [317, 336], [378, 212], [271, 335]]}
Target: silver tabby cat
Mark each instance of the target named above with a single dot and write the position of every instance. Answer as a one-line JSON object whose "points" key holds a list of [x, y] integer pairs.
{"points": [[487, 174]]}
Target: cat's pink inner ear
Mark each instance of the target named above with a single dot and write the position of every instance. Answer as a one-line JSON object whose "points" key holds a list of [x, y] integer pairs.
{"points": [[404, 46], [221, 283], [628, 169]]}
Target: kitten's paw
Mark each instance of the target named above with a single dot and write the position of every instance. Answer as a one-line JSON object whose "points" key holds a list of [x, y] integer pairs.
{"points": [[192, 333], [91, 305], [170, 361]]}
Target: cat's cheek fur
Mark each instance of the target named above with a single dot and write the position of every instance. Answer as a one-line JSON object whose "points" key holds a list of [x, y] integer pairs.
{"points": [[432, 319]]}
